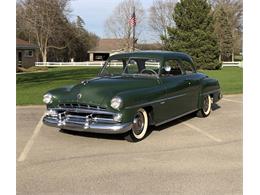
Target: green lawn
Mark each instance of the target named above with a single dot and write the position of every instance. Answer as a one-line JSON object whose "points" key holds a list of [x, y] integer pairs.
{"points": [[31, 86], [230, 79]]}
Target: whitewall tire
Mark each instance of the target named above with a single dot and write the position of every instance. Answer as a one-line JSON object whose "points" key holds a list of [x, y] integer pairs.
{"points": [[139, 126], [206, 107]]}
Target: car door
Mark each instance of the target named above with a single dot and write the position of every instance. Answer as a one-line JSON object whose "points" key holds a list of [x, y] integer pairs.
{"points": [[193, 87], [176, 84]]}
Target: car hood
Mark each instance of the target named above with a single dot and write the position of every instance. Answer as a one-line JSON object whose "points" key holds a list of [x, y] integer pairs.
{"points": [[101, 90]]}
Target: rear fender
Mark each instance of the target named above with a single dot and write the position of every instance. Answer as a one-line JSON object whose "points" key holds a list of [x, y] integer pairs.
{"points": [[210, 87]]}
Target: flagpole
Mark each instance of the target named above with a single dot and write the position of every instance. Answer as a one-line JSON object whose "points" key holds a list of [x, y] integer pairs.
{"points": [[134, 31]]}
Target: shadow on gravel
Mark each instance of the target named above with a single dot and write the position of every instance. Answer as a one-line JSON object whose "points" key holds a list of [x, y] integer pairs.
{"points": [[94, 135], [173, 123], [215, 107], [177, 121]]}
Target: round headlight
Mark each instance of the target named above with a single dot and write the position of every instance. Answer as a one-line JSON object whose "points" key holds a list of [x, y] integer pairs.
{"points": [[47, 98], [116, 103]]}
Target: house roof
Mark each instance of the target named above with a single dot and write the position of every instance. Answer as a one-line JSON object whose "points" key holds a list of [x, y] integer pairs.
{"points": [[22, 44], [110, 45], [149, 46]]}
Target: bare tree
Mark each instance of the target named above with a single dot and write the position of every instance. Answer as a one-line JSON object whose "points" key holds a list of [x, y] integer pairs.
{"points": [[45, 19], [117, 25], [160, 16]]}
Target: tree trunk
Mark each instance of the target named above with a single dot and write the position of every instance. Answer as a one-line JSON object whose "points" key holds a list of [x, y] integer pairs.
{"points": [[44, 55], [44, 58]]}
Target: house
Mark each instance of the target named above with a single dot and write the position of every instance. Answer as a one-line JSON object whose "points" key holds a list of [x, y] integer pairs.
{"points": [[107, 47], [26, 53]]}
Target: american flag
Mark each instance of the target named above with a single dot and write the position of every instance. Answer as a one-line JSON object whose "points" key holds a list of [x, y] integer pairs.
{"points": [[132, 20]]}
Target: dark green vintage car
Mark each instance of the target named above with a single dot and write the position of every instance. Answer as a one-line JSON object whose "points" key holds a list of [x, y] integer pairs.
{"points": [[131, 92]]}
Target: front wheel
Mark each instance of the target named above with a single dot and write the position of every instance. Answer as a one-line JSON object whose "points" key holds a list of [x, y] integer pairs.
{"points": [[206, 107], [139, 127]]}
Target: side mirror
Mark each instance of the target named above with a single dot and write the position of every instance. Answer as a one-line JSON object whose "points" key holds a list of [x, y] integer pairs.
{"points": [[167, 68]]}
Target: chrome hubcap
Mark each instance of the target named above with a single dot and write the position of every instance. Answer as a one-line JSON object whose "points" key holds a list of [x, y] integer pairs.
{"points": [[138, 123], [206, 104]]}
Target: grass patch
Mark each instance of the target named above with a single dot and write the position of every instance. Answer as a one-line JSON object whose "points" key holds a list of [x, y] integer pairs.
{"points": [[230, 79], [31, 69], [31, 86]]}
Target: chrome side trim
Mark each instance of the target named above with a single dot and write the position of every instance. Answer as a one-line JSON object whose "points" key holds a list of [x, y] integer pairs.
{"points": [[176, 96], [156, 101], [168, 120]]}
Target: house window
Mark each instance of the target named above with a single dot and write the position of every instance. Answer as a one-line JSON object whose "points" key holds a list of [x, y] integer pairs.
{"points": [[28, 53]]}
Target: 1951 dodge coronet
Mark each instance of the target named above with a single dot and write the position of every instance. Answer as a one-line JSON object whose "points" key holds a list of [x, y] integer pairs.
{"points": [[132, 91]]}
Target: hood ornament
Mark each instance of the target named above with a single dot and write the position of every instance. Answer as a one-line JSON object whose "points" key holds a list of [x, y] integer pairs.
{"points": [[79, 96]]}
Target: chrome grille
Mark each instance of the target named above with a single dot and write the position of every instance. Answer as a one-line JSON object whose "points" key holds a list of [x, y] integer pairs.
{"points": [[81, 106], [74, 113]]}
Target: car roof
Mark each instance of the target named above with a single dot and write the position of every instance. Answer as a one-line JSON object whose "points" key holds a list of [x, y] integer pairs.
{"points": [[158, 54]]}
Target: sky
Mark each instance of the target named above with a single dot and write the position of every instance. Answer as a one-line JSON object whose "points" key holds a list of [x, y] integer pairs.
{"points": [[95, 12]]}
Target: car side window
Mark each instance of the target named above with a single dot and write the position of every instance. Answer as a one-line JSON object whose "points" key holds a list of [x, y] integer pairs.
{"points": [[113, 67], [132, 67], [171, 68], [187, 67]]}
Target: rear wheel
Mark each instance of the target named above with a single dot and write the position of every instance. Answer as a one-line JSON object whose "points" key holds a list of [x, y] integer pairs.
{"points": [[206, 107], [139, 127]]}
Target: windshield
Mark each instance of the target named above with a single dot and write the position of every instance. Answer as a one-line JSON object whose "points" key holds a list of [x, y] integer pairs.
{"points": [[131, 66]]}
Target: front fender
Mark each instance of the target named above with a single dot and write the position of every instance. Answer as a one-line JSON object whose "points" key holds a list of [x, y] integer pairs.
{"points": [[58, 94]]}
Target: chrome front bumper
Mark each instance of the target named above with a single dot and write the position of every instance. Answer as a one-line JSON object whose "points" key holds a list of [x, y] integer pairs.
{"points": [[87, 126]]}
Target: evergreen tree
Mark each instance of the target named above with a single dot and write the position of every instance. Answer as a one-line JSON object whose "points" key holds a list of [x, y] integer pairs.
{"points": [[80, 22], [194, 33]]}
